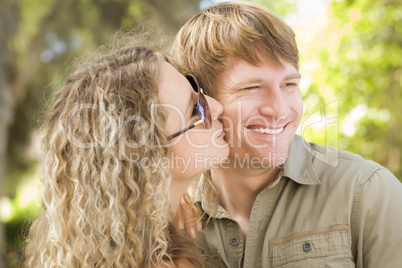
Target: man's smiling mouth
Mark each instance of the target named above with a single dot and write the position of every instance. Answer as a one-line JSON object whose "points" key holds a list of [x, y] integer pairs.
{"points": [[266, 130]]}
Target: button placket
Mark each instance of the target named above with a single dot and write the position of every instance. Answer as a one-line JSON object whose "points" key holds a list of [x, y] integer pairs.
{"points": [[234, 244]]}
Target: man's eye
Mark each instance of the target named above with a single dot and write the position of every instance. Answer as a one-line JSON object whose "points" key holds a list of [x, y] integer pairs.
{"points": [[253, 87], [291, 84]]}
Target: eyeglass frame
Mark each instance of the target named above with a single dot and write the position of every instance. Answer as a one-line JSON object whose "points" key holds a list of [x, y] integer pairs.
{"points": [[202, 113]]}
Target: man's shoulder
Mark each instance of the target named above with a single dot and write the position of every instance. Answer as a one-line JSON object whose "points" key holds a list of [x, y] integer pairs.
{"points": [[310, 163], [341, 171], [338, 157], [332, 162]]}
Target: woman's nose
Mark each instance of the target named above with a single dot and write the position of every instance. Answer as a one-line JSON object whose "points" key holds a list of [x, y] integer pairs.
{"points": [[215, 107]]}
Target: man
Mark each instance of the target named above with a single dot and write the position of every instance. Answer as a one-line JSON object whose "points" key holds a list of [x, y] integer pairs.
{"points": [[283, 202]]}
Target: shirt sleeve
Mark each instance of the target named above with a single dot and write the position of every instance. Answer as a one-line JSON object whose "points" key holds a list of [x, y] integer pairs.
{"points": [[379, 221]]}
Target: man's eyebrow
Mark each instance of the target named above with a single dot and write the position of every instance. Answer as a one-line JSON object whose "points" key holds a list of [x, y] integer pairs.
{"points": [[245, 81], [293, 76], [238, 83]]}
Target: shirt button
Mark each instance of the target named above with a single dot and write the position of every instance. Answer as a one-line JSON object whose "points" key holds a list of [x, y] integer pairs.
{"points": [[234, 241], [307, 246]]}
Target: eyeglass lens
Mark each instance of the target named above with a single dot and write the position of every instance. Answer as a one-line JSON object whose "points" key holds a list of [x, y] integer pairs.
{"points": [[202, 103]]}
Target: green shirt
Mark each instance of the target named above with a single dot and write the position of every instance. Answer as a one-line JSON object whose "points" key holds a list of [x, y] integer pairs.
{"points": [[331, 208]]}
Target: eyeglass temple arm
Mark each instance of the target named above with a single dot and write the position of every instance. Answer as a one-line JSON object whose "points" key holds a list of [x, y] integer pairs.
{"points": [[186, 129]]}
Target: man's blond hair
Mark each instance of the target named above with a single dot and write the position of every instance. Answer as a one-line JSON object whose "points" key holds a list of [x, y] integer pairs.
{"points": [[205, 42]]}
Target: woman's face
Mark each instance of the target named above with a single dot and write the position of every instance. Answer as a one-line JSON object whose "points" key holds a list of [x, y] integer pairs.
{"points": [[199, 149]]}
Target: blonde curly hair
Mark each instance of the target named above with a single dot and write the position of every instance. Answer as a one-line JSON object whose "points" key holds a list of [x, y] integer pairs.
{"points": [[100, 208]]}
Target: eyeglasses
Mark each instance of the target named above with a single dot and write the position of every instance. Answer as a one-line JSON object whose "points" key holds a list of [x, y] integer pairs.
{"points": [[201, 107]]}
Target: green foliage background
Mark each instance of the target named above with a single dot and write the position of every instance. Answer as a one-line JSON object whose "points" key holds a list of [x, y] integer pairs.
{"points": [[355, 92], [364, 75]]}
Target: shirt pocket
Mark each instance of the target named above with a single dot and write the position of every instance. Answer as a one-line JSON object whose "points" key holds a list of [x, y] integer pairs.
{"points": [[323, 247]]}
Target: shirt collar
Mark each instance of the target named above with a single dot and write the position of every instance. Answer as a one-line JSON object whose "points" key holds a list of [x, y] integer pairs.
{"points": [[299, 165]]}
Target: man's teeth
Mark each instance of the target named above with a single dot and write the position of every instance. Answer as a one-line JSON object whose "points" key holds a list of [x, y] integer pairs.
{"points": [[267, 130]]}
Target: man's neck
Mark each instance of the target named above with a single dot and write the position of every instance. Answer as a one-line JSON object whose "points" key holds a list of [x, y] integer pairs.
{"points": [[238, 190]]}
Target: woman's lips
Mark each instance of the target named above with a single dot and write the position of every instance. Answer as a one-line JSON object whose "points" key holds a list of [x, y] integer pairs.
{"points": [[222, 134]]}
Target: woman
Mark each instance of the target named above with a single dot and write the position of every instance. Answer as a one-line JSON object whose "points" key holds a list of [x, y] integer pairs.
{"points": [[124, 139]]}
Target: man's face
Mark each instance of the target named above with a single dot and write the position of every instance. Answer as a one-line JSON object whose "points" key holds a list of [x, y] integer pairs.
{"points": [[262, 110]]}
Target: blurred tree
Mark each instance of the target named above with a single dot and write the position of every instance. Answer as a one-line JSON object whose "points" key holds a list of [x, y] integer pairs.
{"points": [[8, 28], [37, 39], [364, 73]]}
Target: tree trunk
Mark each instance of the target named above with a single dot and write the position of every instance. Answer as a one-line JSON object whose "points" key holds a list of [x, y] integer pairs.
{"points": [[8, 27]]}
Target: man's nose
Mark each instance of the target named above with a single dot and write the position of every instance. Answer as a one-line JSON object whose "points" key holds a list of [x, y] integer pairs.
{"points": [[274, 104]]}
